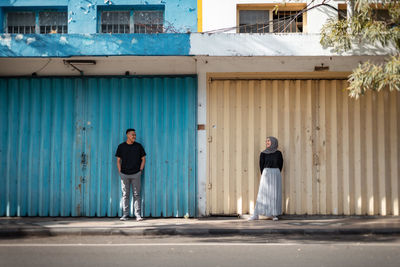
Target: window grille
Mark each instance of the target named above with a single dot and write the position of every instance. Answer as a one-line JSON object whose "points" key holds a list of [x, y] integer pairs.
{"points": [[259, 21], [21, 22], [254, 21], [48, 22], [53, 22], [115, 22], [148, 21], [288, 21]]}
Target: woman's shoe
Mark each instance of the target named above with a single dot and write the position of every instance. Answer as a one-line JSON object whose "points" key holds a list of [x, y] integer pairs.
{"points": [[253, 218], [275, 218]]}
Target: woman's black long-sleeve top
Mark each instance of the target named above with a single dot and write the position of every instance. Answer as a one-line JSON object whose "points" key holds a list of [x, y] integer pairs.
{"points": [[273, 160]]}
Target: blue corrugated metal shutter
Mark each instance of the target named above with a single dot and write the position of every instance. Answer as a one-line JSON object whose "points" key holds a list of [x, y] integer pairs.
{"points": [[59, 136]]}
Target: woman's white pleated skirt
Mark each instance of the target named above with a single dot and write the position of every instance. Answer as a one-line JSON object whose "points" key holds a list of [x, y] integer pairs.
{"points": [[269, 198]]}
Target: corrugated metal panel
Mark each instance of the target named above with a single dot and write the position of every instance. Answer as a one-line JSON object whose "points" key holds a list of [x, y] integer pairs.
{"points": [[341, 155], [47, 123]]}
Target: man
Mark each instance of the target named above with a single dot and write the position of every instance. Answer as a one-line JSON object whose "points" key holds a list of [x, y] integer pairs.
{"points": [[131, 158]]}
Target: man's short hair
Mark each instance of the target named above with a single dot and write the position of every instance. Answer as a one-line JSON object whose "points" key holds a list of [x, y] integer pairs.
{"points": [[130, 130]]}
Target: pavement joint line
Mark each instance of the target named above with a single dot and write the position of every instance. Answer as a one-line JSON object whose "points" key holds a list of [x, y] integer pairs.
{"points": [[145, 244], [196, 244]]}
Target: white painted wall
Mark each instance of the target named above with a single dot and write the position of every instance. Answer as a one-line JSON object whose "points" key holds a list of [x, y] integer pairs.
{"points": [[221, 14], [282, 44]]}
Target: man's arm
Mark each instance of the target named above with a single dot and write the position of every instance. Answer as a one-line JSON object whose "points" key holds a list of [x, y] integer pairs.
{"points": [[143, 162], [119, 164]]}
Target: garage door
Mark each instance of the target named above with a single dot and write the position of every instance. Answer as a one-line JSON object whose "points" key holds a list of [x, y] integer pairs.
{"points": [[341, 156], [59, 136]]}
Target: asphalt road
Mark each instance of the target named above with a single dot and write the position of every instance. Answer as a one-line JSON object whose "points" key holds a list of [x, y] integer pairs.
{"points": [[223, 251]]}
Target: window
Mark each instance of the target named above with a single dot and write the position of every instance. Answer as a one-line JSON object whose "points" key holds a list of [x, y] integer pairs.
{"points": [[53, 22], [342, 11], [148, 21], [115, 22], [381, 15], [254, 21], [287, 21], [378, 13], [263, 18], [138, 21], [43, 22], [21, 22]]}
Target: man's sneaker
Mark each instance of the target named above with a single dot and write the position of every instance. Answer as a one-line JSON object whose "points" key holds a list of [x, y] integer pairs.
{"points": [[275, 218], [124, 218], [138, 218]]}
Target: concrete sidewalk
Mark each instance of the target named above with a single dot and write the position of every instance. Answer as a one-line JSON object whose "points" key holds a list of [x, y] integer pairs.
{"points": [[208, 226]]}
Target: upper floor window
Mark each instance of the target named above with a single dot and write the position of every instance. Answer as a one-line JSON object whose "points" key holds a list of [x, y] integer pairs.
{"points": [[254, 21], [42, 22], [115, 22], [53, 22], [132, 21], [378, 13], [148, 21], [21, 22], [264, 19]]}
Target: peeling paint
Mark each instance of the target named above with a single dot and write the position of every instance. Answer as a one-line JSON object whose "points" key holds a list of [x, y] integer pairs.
{"points": [[63, 40], [53, 45], [90, 42], [19, 37], [30, 40], [5, 40]]}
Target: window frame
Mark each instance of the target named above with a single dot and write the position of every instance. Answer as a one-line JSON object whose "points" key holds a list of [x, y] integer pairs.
{"points": [[36, 11], [131, 9], [270, 7]]}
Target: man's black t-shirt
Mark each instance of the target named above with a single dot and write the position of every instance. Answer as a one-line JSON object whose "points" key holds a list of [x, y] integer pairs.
{"points": [[131, 157]]}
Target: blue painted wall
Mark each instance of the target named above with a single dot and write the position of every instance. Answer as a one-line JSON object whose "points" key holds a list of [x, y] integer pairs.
{"points": [[67, 45], [180, 15]]}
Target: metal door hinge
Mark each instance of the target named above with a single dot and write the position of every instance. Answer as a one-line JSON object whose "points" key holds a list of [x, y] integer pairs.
{"points": [[209, 185], [209, 139]]}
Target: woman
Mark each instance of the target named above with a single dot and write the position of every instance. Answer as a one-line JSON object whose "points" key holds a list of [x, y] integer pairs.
{"points": [[269, 198]]}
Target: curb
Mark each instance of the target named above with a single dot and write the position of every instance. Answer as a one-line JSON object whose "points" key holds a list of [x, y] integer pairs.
{"points": [[27, 232]]}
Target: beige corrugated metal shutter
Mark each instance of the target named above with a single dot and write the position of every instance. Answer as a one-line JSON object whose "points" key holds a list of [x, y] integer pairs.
{"points": [[341, 155]]}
